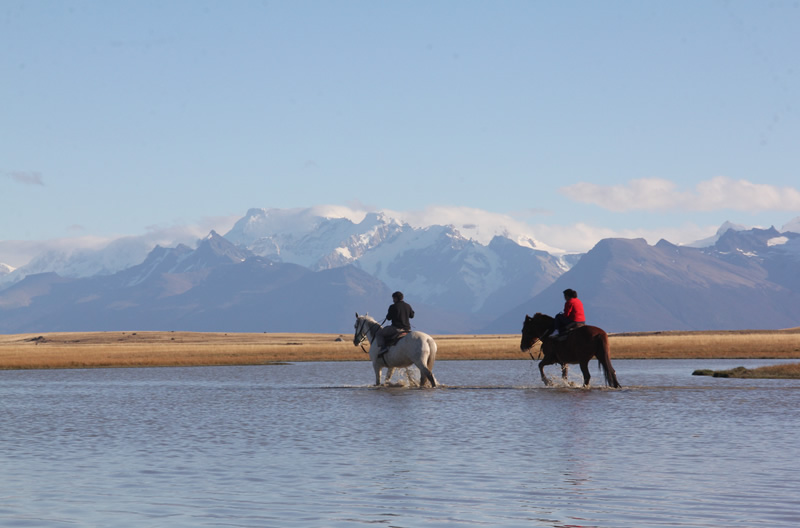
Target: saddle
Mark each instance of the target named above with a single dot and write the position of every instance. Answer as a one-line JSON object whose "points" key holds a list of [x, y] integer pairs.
{"points": [[392, 342], [562, 336], [397, 337]]}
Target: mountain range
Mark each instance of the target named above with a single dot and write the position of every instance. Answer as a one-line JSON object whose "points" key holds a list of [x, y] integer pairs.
{"points": [[299, 271]]}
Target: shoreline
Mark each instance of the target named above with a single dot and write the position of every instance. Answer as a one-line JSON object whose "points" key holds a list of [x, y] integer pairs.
{"points": [[119, 349]]}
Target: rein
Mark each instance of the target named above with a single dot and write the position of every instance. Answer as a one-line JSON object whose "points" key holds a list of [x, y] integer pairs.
{"points": [[535, 339], [363, 338], [363, 334]]}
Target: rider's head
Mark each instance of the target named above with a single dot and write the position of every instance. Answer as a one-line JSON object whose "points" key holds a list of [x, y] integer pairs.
{"points": [[569, 293], [397, 296]]}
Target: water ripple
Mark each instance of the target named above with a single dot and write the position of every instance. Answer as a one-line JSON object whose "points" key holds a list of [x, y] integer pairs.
{"points": [[316, 445]]}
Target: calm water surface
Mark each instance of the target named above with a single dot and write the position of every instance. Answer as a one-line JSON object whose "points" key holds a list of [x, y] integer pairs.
{"points": [[311, 444]]}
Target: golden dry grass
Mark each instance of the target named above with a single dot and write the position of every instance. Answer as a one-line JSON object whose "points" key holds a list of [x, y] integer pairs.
{"points": [[150, 349], [740, 344]]}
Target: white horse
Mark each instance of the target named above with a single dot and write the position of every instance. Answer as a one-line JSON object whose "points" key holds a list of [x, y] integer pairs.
{"points": [[416, 348]]}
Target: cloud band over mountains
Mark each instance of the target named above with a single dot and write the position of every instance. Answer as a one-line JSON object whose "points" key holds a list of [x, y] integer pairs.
{"points": [[718, 193]]}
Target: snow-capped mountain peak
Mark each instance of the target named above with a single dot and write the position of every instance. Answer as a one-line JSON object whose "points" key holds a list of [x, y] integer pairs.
{"points": [[318, 238], [793, 225], [724, 228], [335, 263]]}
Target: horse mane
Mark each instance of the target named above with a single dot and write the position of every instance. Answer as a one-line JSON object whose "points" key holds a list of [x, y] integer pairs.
{"points": [[369, 318], [544, 316]]}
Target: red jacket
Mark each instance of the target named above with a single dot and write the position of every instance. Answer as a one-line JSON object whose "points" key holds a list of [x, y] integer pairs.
{"points": [[573, 309]]}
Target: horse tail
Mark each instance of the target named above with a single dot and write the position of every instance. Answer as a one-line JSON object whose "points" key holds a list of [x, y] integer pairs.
{"points": [[431, 353], [603, 354], [427, 359]]}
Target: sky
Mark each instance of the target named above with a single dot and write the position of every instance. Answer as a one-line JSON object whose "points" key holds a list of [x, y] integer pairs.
{"points": [[580, 119]]}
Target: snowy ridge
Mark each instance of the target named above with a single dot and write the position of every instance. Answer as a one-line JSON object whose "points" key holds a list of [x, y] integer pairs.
{"points": [[309, 269], [434, 264], [317, 238], [431, 263], [85, 262], [320, 237]]}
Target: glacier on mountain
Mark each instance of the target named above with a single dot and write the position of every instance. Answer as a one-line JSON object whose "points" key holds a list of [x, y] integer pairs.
{"points": [[307, 269], [434, 264]]}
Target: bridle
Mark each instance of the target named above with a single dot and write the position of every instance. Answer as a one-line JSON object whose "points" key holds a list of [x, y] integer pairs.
{"points": [[535, 339], [361, 334]]}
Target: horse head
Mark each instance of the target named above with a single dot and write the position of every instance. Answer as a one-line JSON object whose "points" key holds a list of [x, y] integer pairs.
{"points": [[533, 329], [361, 327]]}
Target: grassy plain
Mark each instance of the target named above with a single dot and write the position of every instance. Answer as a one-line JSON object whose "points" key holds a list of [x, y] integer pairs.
{"points": [[162, 349]]}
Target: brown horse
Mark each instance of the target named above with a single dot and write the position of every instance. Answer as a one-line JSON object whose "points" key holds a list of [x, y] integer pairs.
{"points": [[579, 346]]}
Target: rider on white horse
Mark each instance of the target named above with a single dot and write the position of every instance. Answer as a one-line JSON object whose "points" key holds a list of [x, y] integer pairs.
{"points": [[417, 348], [399, 314]]}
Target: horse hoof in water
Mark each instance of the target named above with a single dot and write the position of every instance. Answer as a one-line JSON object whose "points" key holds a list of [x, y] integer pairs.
{"points": [[580, 347], [416, 348]]}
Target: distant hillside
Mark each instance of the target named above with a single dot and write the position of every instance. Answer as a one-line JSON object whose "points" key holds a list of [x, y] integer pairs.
{"points": [[628, 285], [299, 272]]}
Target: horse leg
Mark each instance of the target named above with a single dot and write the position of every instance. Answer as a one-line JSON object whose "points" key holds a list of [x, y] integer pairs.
{"points": [[378, 369], [432, 349], [604, 358], [425, 375], [423, 379], [425, 363], [542, 364], [586, 375], [431, 360], [564, 371], [431, 378], [389, 374]]}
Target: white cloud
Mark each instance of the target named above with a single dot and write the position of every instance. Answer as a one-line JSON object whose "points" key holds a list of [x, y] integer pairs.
{"points": [[581, 237], [189, 233], [793, 225], [477, 224], [482, 226], [719, 193], [18, 253], [455, 216]]}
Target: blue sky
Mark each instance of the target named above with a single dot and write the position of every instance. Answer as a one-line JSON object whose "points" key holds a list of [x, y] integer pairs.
{"points": [[581, 119]]}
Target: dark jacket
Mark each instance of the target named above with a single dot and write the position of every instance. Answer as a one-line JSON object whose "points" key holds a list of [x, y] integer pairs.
{"points": [[399, 314]]}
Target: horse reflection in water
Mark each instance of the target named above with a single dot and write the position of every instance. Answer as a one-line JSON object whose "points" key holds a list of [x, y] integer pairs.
{"points": [[578, 346], [416, 348]]}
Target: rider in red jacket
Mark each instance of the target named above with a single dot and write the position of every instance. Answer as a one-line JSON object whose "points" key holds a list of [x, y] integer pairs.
{"points": [[573, 312]]}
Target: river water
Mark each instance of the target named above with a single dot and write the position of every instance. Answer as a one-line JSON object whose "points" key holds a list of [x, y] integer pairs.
{"points": [[312, 444]]}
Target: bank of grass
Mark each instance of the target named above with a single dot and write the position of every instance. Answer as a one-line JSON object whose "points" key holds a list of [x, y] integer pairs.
{"points": [[787, 371], [161, 349]]}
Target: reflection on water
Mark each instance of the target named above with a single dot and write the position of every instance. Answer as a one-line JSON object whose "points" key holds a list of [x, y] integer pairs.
{"points": [[312, 444]]}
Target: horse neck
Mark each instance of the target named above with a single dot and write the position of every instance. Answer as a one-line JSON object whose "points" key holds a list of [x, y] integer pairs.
{"points": [[548, 324], [373, 327], [537, 333]]}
